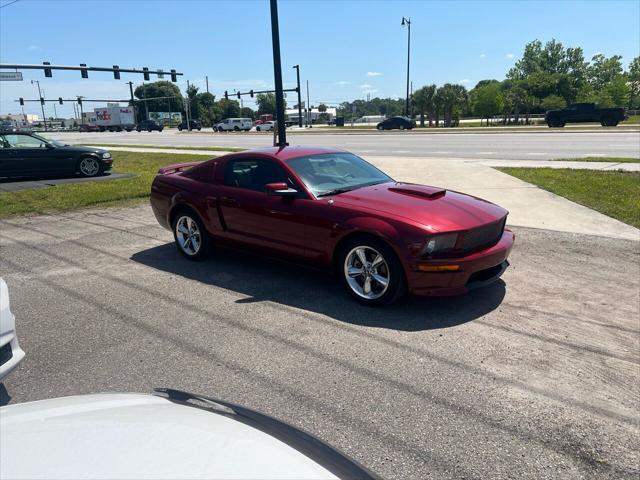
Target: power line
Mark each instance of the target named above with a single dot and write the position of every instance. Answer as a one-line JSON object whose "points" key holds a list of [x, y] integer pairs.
{"points": [[10, 3]]}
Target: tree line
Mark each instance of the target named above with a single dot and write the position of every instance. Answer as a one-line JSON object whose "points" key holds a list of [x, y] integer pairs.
{"points": [[547, 77]]}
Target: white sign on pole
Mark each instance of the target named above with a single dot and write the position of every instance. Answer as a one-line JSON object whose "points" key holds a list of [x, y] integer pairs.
{"points": [[11, 76]]}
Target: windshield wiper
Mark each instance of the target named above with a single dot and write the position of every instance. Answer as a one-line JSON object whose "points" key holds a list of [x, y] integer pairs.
{"points": [[337, 191]]}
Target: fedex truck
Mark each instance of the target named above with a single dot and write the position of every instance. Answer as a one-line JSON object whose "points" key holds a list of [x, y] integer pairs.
{"points": [[115, 118]]}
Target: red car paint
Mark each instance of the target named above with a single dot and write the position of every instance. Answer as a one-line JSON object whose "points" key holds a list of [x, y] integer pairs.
{"points": [[311, 229]]}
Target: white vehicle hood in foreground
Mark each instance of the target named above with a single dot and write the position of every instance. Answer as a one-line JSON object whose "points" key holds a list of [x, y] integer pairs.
{"points": [[139, 436]]}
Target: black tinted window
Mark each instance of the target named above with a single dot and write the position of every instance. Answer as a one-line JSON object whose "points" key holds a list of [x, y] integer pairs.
{"points": [[254, 174]]}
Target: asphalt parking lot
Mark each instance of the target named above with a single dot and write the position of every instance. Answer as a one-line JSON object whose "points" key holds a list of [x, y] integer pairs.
{"points": [[534, 377]]}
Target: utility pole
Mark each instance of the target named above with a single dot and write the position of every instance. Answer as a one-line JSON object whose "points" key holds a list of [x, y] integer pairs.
{"points": [[44, 117], [297, 67], [207, 80], [277, 73], [308, 106], [133, 102], [407, 22], [81, 112], [186, 108]]}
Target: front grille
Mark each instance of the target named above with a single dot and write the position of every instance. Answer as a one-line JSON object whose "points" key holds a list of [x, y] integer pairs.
{"points": [[5, 353], [483, 237]]}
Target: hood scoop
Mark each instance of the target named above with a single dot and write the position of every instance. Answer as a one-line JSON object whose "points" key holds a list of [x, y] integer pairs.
{"points": [[418, 190]]}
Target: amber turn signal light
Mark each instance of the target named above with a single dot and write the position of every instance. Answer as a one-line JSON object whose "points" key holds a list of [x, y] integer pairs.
{"points": [[438, 268]]}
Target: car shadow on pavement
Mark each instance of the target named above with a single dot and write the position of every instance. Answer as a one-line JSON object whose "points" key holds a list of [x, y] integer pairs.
{"points": [[265, 279], [5, 398]]}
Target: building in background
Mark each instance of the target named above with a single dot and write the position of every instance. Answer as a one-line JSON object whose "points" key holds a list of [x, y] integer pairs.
{"points": [[314, 115]]}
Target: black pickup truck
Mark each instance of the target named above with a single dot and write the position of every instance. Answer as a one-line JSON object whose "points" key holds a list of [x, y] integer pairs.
{"points": [[585, 112]]}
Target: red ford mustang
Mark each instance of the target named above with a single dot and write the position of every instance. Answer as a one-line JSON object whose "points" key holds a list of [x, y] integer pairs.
{"points": [[332, 209]]}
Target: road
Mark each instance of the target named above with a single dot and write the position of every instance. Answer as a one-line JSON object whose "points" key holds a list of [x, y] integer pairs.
{"points": [[535, 377], [510, 146]]}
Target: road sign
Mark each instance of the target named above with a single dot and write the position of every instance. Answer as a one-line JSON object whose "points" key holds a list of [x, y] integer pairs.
{"points": [[9, 76]]}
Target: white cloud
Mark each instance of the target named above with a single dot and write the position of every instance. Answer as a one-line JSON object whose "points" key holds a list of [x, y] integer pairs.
{"points": [[374, 74], [510, 55], [342, 83], [33, 48], [483, 55], [464, 81], [366, 86]]}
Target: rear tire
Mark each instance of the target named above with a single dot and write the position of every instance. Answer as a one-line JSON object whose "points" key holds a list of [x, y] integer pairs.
{"points": [[378, 281], [190, 236], [179, 129], [236, 129]]}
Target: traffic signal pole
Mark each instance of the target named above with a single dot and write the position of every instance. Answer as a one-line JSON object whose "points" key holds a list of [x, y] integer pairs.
{"points": [[277, 72], [297, 67]]}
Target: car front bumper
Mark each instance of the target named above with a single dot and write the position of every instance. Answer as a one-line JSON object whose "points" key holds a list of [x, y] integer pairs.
{"points": [[474, 271], [10, 353]]}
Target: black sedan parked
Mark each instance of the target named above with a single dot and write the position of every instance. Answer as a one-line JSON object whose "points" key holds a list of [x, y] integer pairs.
{"points": [[149, 125], [28, 155], [401, 123], [195, 125]]}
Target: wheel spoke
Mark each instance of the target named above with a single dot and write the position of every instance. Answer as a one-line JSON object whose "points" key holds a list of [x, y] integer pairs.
{"points": [[361, 256], [182, 229], [355, 272], [380, 279], [377, 261], [366, 288]]}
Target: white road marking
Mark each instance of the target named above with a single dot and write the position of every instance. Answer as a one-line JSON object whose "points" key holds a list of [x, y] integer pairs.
{"points": [[536, 153], [485, 153], [402, 151], [441, 152]]}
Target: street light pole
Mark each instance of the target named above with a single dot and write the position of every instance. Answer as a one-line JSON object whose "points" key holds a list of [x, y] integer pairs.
{"points": [[407, 22], [297, 67], [44, 117], [277, 72]]}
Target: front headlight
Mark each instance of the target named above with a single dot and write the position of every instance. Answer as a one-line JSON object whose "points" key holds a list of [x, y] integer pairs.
{"points": [[439, 243], [106, 155]]}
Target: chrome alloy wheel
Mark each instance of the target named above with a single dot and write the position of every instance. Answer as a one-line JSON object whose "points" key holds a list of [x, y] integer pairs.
{"points": [[89, 167], [188, 235], [367, 272]]}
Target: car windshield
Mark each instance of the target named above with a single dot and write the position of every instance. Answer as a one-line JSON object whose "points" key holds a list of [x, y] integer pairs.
{"points": [[333, 173]]}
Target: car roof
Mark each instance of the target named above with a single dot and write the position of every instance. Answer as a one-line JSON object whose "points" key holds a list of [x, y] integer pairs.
{"points": [[287, 153]]}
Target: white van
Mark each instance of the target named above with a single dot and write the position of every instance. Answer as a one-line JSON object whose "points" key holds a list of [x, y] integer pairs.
{"points": [[235, 124]]}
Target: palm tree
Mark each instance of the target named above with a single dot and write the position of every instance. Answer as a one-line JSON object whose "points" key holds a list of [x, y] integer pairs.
{"points": [[452, 96], [423, 99]]}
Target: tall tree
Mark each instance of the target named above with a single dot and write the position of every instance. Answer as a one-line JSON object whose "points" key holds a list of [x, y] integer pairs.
{"points": [[322, 108], [603, 70], [267, 103], [453, 98], [423, 100], [158, 89], [633, 75], [487, 100]]}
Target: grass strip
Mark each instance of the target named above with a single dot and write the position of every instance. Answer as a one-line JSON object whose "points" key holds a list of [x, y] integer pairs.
{"points": [[614, 193]]}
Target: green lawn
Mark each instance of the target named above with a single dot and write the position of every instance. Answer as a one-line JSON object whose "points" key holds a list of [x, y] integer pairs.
{"points": [[600, 159], [110, 192], [167, 147], [613, 193]]}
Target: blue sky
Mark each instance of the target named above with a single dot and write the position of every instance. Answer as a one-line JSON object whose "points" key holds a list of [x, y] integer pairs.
{"points": [[345, 48]]}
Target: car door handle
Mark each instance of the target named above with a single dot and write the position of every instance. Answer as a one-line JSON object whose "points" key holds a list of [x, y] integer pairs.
{"points": [[228, 201]]}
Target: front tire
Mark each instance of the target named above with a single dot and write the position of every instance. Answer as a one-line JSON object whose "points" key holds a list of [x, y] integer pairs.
{"points": [[371, 272], [90, 167], [190, 235]]}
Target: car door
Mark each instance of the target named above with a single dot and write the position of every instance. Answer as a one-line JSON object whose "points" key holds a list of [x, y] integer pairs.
{"points": [[251, 216], [8, 158]]}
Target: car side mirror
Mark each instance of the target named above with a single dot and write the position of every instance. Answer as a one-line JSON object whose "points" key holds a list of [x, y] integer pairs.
{"points": [[280, 189], [49, 146]]}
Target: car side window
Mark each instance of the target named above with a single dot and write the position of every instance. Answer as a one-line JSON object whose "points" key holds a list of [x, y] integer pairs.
{"points": [[23, 141], [254, 174]]}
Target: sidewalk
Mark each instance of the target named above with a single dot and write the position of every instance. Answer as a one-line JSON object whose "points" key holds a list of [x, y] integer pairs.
{"points": [[627, 167]]}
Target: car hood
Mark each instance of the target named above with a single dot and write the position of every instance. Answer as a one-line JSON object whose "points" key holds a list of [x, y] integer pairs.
{"points": [[139, 436], [435, 209], [81, 149]]}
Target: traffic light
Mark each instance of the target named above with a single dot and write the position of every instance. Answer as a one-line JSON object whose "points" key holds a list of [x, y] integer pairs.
{"points": [[83, 71], [174, 77], [226, 95], [47, 71], [80, 101], [21, 101], [60, 100], [251, 93], [116, 72], [238, 95], [41, 101], [146, 73]]}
